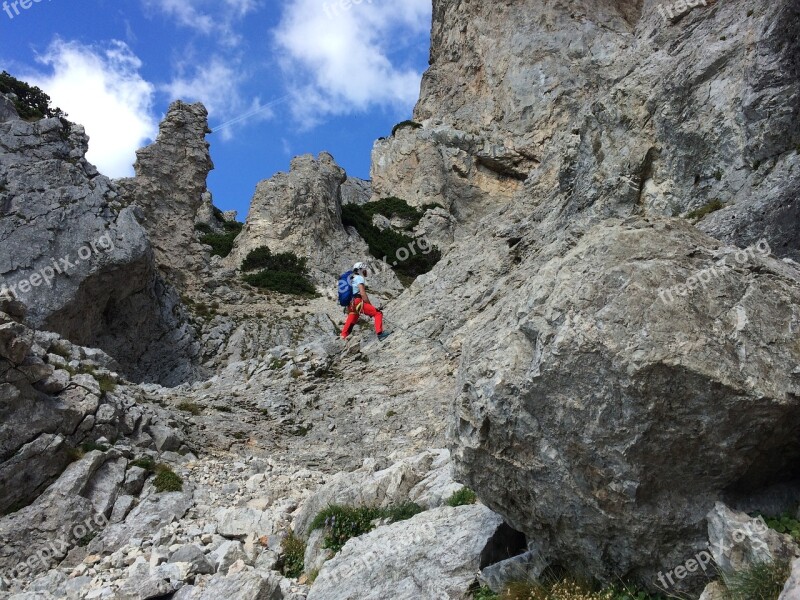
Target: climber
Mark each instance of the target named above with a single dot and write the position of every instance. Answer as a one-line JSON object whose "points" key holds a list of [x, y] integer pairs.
{"points": [[360, 303]]}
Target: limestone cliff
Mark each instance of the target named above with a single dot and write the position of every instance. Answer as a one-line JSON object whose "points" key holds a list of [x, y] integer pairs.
{"points": [[170, 189], [580, 388], [78, 259]]}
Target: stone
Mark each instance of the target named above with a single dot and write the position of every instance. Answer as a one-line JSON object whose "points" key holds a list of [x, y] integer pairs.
{"points": [[668, 359], [226, 554], [151, 514], [195, 557], [739, 542], [393, 485], [147, 589], [791, 591], [134, 480], [527, 566], [316, 555], [714, 591], [242, 586], [433, 555], [241, 522]]}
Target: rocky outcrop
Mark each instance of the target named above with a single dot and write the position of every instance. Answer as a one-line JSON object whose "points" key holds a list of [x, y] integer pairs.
{"points": [[583, 299], [301, 212], [433, 555], [170, 188], [80, 262], [712, 359], [423, 479], [356, 191]]}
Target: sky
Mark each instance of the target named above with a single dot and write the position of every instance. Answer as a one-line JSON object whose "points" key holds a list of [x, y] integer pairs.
{"points": [[279, 77]]}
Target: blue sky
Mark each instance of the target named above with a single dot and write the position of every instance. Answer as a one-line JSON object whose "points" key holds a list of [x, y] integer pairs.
{"points": [[306, 75]]}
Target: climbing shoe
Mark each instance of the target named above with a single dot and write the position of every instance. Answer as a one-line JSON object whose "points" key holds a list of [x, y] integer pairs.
{"points": [[383, 336]]}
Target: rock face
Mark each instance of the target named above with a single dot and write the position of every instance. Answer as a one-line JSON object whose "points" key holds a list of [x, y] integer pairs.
{"points": [[356, 191], [583, 423], [434, 555], [80, 262], [590, 385], [170, 188], [301, 212]]}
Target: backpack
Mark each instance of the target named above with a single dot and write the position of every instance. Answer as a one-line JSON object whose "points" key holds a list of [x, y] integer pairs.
{"points": [[345, 289]]}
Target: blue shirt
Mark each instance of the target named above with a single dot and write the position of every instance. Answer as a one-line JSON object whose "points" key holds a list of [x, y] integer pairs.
{"points": [[356, 282]]}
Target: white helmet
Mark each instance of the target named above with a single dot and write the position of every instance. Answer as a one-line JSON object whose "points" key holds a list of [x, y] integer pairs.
{"points": [[359, 266]]}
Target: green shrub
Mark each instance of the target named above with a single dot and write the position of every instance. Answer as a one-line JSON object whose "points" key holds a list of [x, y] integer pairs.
{"points": [[761, 582], [403, 124], [167, 480], [785, 523], [291, 561], [711, 206], [221, 243], [285, 272], [31, 102], [484, 593], [190, 407], [462, 497], [262, 258], [345, 522], [285, 283], [386, 244], [107, 383]]}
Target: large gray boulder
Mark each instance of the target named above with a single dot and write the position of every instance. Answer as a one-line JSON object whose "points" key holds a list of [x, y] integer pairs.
{"points": [[424, 479], [583, 415], [434, 555]]}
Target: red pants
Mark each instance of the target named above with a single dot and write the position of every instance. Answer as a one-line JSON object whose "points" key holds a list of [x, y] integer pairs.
{"points": [[358, 306]]}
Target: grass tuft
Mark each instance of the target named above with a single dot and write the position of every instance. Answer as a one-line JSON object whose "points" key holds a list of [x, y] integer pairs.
{"points": [[462, 497], [191, 408], [167, 480], [292, 559], [760, 582], [708, 208], [345, 522]]}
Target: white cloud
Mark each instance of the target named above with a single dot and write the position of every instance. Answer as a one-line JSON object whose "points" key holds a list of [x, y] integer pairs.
{"points": [[216, 84], [339, 60], [101, 89], [207, 16]]}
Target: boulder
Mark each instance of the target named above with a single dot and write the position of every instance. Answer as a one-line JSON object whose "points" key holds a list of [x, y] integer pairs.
{"points": [[791, 590], [424, 478], [242, 522], [659, 345], [435, 555], [739, 542], [195, 557], [247, 585]]}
